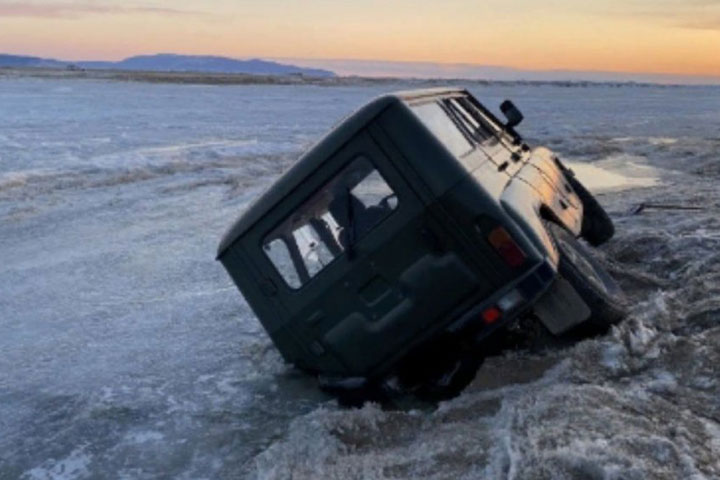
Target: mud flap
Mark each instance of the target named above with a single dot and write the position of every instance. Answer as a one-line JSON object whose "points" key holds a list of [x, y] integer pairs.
{"points": [[561, 308]]}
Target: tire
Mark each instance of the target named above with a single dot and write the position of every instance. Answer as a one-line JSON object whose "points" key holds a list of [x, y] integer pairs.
{"points": [[597, 227], [595, 286]]}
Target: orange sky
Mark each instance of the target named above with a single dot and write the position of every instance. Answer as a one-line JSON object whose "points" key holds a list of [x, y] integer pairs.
{"points": [[668, 36]]}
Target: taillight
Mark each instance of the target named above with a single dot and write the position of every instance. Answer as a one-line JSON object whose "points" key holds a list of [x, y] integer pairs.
{"points": [[508, 302], [491, 315], [501, 241]]}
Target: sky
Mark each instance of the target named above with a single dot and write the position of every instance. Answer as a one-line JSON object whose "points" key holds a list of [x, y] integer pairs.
{"points": [[679, 37]]}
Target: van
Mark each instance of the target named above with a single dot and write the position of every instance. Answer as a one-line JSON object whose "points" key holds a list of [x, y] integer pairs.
{"points": [[416, 229]]}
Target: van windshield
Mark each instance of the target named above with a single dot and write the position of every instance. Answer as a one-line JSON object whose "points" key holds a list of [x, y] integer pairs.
{"points": [[341, 212]]}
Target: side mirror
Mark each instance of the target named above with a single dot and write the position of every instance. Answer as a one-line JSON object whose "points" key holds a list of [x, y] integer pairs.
{"points": [[511, 112]]}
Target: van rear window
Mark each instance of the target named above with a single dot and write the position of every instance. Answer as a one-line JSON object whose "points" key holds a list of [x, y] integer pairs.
{"points": [[344, 210]]}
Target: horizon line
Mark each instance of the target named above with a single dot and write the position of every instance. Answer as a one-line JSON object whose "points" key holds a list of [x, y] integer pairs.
{"points": [[343, 63]]}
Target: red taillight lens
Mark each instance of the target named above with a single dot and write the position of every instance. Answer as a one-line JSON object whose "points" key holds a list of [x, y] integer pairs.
{"points": [[491, 315], [501, 241]]}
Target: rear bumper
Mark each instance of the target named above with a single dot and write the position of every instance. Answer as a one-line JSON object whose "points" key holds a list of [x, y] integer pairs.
{"points": [[531, 286]]}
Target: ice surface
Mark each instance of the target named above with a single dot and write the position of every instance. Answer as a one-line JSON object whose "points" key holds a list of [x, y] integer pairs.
{"points": [[614, 174], [126, 352]]}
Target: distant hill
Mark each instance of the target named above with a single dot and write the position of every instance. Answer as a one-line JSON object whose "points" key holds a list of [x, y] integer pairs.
{"points": [[167, 62], [25, 61]]}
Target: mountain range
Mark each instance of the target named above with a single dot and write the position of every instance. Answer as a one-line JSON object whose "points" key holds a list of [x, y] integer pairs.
{"points": [[320, 68], [167, 62]]}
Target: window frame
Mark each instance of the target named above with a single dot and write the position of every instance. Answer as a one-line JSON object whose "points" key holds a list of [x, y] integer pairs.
{"points": [[463, 115], [488, 118]]}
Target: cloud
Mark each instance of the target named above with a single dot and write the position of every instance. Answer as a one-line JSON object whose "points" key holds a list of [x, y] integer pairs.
{"points": [[74, 10], [688, 14], [702, 24], [693, 14]]}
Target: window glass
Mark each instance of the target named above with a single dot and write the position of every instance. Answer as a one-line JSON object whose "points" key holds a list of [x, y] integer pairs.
{"points": [[315, 253], [373, 191], [443, 127], [491, 126], [464, 114], [335, 217], [279, 254]]}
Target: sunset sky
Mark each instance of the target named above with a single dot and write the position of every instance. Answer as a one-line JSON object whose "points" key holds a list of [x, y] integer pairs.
{"points": [[651, 36]]}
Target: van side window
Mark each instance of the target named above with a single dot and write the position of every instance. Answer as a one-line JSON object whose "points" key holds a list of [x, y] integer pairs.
{"points": [[471, 123], [488, 124], [341, 212], [436, 119]]}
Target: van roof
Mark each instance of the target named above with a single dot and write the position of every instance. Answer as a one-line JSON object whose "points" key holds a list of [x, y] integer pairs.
{"points": [[320, 152]]}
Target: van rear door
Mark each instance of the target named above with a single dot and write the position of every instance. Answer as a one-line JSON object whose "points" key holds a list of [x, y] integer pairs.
{"points": [[359, 270]]}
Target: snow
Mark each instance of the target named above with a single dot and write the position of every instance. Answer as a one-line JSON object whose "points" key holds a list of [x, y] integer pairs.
{"points": [[126, 351]]}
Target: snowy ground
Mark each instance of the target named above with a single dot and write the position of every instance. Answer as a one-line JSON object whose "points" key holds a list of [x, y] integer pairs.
{"points": [[126, 352]]}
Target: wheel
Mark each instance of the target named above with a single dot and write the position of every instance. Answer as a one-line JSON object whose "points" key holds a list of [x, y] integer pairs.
{"points": [[595, 286], [597, 227]]}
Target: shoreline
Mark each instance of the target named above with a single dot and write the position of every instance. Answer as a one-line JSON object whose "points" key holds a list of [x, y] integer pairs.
{"points": [[210, 78], [190, 78]]}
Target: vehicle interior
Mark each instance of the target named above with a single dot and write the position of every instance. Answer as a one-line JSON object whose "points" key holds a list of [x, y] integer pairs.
{"points": [[330, 222]]}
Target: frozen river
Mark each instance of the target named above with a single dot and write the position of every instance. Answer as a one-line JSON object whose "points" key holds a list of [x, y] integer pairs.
{"points": [[126, 352]]}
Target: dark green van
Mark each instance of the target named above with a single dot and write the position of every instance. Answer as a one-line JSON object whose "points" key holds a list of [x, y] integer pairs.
{"points": [[416, 228]]}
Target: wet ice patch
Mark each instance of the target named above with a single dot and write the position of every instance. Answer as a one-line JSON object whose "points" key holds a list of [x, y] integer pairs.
{"points": [[613, 357], [456, 440], [189, 152], [615, 173], [146, 436], [74, 466], [10, 180], [662, 382], [303, 453], [662, 141], [613, 435], [265, 358]]}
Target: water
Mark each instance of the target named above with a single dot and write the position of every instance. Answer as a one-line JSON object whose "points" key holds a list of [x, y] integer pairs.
{"points": [[126, 352]]}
